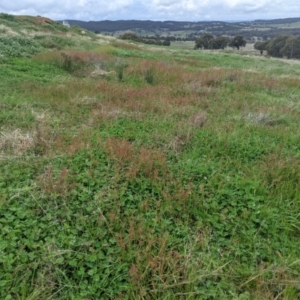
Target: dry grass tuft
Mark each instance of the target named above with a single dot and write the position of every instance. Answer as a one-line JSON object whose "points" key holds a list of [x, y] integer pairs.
{"points": [[52, 182], [119, 149], [110, 111], [125, 45], [185, 131], [7, 31], [16, 143], [198, 119], [101, 73], [73, 60], [149, 163], [262, 119], [135, 162], [85, 100], [166, 72]]}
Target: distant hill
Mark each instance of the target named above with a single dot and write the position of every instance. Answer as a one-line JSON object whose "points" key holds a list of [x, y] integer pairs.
{"points": [[190, 30], [279, 21]]}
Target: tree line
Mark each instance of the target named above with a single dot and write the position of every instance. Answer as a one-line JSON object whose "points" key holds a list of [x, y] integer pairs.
{"points": [[208, 41], [281, 46], [154, 41]]}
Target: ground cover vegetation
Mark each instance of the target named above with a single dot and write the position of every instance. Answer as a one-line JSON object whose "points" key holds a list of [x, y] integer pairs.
{"points": [[139, 172]]}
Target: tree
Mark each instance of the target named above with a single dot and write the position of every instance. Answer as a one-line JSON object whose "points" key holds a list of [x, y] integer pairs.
{"points": [[7, 17], [237, 42], [261, 46], [275, 45], [166, 42], [205, 41], [199, 43], [291, 48], [130, 36], [220, 42]]}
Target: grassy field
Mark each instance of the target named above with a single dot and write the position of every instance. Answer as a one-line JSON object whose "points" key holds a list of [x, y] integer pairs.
{"points": [[286, 25], [129, 172]]}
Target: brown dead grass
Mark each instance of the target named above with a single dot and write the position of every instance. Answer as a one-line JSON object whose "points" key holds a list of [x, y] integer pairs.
{"points": [[55, 183], [133, 162], [16, 142], [198, 119], [39, 20], [92, 59]]}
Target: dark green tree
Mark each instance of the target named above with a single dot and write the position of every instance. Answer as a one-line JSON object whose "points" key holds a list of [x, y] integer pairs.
{"points": [[166, 42], [7, 17], [205, 41], [130, 36], [275, 45], [220, 42], [291, 48], [199, 43], [237, 42], [261, 46]]}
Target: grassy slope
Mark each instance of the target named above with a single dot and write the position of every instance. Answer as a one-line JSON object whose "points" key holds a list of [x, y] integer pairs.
{"points": [[286, 25], [175, 177]]}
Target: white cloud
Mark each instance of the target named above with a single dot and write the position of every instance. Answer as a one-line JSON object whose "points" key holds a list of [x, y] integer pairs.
{"points": [[250, 5], [86, 9], [187, 10]]}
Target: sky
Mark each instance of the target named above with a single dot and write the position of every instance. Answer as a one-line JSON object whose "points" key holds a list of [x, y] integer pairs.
{"points": [[157, 10]]}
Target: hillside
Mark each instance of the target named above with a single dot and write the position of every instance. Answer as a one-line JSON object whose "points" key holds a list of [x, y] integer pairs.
{"points": [[20, 25], [132, 171], [189, 30], [23, 36]]}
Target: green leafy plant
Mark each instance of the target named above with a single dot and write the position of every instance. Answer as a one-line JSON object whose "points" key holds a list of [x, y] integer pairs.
{"points": [[18, 46], [53, 41], [7, 17], [179, 179], [149, 76]]}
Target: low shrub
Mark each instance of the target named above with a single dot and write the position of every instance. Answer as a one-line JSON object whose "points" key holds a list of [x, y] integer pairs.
{"points": [[17, 46], [7, 17], [149, 76], [54, 41], [80, 63]]}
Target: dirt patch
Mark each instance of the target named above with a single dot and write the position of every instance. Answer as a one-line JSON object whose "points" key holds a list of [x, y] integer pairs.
{"points": [[36, 20]]}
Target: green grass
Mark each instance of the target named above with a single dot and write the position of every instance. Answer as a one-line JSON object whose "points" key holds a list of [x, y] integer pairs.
{"points": [[286, 25], [18, 46], [177, 180], [188, 45]]}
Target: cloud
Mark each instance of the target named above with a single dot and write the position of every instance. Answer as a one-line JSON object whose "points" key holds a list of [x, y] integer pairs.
{"points": [[85, 9], [250, 5], [220, 10], [215, 7], [186, 10], [175, 7]]}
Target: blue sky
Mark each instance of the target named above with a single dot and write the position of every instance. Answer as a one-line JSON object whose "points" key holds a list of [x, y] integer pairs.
{"points": [[178, 10]]}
